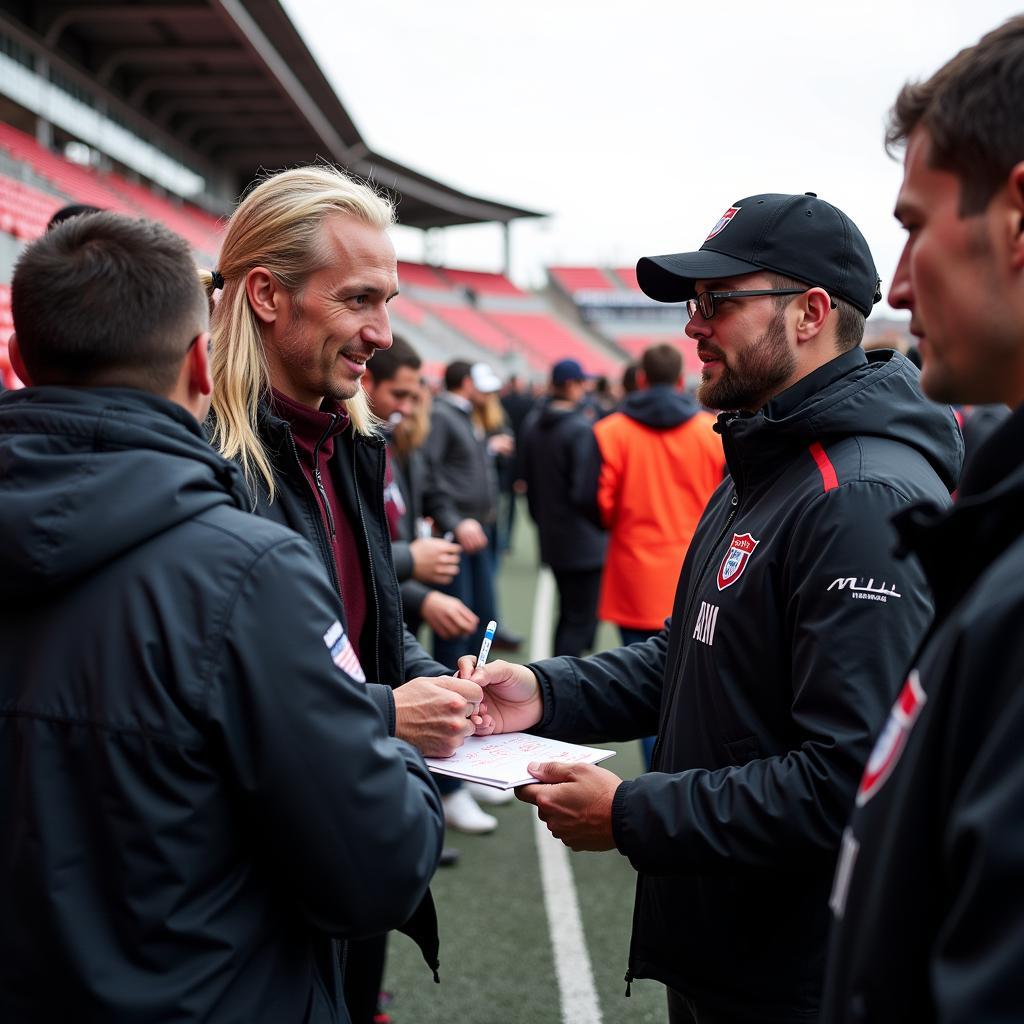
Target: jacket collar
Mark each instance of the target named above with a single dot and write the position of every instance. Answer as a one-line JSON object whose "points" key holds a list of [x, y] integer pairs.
{"points": [[956, 545]]}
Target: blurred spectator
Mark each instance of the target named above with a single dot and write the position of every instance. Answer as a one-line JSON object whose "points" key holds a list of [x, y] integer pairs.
{"points": [[458, 449], [558, 466], [517, 402], [660, 462], [629, 384], [413, 501]]}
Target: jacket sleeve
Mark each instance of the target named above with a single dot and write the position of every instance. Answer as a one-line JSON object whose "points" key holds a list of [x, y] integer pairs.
{"points": [[350, 817], [414, 594], [614, 695], [418, 662], [436, 501], [585, 473], [848, 659], [401, 555], [979, 943]]}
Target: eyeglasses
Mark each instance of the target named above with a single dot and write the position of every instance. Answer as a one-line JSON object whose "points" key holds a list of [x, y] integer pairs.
{"points": [[705, 301]]}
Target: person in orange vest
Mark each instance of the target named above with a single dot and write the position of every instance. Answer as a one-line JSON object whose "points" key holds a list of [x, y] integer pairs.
{"points": [[660, 461]]}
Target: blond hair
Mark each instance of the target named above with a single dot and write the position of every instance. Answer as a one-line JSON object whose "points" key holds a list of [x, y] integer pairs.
{"points": [[278, 225]]}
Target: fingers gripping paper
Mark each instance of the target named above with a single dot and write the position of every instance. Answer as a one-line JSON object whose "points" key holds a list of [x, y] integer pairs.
{"points": [[500, 761]]}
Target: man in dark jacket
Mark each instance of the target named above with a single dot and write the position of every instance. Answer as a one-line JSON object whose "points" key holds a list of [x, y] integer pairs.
{"points": [[791, 625], [929, 922], [465, 466], [306, 272], [557, 465], [197, 793]]}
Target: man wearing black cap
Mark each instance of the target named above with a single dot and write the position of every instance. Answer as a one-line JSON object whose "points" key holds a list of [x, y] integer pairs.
{"points": [[557, 465], [791, 627]]}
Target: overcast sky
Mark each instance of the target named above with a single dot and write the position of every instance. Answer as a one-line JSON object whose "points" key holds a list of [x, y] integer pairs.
{"points": [[636, 123]]}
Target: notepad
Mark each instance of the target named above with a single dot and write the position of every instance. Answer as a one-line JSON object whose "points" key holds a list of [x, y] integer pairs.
{"points": [[500, 761]]}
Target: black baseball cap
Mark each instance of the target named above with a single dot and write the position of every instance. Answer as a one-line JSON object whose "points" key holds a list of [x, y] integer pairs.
{"points": [[796, 236]]}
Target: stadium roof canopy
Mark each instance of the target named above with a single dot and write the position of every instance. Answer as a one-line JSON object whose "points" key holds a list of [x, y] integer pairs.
{"points": [[232, 82]]}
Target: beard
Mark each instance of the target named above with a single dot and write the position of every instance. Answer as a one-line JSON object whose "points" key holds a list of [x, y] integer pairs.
{"points": [[755, 374], [306, 362]]}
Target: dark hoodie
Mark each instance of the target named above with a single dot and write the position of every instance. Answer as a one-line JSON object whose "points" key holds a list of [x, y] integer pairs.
{"points": [[195, 797], [660, 407], [557, 462], [792, 627]]}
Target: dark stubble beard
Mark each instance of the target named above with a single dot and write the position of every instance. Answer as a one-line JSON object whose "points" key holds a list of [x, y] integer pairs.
{"points": [[756, 373]]}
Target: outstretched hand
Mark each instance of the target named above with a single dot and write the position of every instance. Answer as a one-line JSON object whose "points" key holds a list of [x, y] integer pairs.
{"points": [[575, 803], [512, 697]]}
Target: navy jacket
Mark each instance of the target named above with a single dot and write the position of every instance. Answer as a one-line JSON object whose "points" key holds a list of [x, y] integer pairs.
{"points": [[195, 797], [927, 895], [792, 624]]}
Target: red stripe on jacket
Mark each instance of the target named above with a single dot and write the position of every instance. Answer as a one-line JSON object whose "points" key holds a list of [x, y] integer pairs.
{"points": [[825, 467]]}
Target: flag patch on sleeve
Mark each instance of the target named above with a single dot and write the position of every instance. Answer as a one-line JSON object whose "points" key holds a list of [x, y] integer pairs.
{"points": [[343, 653]]}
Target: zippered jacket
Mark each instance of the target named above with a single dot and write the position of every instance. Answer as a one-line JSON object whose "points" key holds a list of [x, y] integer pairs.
{"points": [[792, 625], [660, 461], [927, 896], [195, 797], [390, 653]]}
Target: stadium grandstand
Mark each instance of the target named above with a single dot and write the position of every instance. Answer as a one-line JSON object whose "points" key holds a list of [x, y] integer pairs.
{"points": [[608, 301], [170, 110]]}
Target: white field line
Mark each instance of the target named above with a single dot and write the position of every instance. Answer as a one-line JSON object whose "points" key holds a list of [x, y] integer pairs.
{"points": [[572, 961]]}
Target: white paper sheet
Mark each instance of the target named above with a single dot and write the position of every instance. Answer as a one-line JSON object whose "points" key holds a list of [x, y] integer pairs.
{"points": [[500, 761]]}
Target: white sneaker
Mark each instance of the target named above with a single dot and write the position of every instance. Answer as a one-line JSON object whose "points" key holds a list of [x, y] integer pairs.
{"points": [[462, 813], [490, 795]]}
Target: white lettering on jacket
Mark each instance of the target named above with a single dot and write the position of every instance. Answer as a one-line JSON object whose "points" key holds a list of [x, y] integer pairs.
{"points": [[868, 592], [707, 619]]}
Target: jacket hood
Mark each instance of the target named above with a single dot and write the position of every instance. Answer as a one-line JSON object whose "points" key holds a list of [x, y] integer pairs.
{"points": [[661, 407], [859, 393], [88, 473]]}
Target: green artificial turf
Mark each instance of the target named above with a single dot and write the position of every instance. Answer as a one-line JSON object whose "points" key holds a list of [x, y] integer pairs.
{"points": [[496, 961]]}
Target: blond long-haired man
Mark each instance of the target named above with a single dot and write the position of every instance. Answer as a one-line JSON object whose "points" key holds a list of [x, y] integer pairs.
{"points": [[305, 275]]}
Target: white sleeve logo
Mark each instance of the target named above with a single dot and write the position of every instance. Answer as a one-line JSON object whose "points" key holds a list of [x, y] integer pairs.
{"points": [[343, 653], [864, 591]]}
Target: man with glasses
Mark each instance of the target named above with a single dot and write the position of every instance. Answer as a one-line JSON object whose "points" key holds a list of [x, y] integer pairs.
{"points": [[790, 630]]}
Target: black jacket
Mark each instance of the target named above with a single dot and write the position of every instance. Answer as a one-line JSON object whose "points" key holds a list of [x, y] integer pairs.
{"points": [[792, 624], [560, 471], [195, 797], [928, 893], [464, 466], [390, 653]]}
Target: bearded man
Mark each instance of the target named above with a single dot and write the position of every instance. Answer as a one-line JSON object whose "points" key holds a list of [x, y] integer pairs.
{"points": [[792, 623]]}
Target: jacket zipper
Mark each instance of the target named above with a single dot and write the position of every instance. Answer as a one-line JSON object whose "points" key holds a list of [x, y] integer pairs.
{"points": [[369, 559], [733, 511], [319, 479], [318, 523]]}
